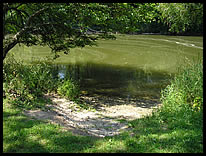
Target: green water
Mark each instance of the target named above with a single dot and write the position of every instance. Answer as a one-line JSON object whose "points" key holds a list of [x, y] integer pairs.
{"points": [[131, 65]]}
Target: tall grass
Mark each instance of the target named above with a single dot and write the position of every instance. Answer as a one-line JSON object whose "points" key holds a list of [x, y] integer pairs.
{"points": [[186, 89], [69, 89], [183, 103]]}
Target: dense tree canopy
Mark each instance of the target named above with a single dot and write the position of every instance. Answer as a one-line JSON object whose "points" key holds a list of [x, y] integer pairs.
{"points": [[182, 17], [63, 26]]}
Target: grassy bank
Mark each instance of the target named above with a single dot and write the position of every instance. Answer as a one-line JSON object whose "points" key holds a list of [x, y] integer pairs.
{"points": [[177, 127]]}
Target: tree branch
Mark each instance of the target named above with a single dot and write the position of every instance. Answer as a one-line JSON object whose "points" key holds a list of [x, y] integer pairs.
{"points": [[14, 40], [8, 47], [35, 14]]}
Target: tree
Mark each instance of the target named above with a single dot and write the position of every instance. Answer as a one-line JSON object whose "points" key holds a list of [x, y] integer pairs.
{"points": [[182, 17], [57, 25], [63, 26]]}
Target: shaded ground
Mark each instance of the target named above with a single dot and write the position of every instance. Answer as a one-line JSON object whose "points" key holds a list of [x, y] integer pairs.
{"points": [[109, 117]]}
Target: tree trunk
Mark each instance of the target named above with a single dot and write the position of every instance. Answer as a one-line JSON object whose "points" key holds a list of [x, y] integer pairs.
{"points": [[9, 47], [11, 43]]}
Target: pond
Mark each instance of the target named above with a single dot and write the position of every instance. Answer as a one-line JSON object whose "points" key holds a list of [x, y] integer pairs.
{"points": [[131, 65]]}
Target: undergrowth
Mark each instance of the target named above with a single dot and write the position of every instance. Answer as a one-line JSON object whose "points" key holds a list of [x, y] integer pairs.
{"points": [[25, 84]]}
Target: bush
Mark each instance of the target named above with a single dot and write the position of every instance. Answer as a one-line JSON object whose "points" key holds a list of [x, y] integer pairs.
{"points": [[69, 89], [183, 99], [186, 90], [26, 83]]}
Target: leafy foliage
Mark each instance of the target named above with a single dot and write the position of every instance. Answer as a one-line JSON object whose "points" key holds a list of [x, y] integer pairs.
{"points": [[25, 84], [63, 26], [182, 17], [69, 89], [183, 101], [186, 90]]}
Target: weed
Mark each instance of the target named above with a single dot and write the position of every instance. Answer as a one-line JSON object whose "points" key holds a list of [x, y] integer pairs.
{"points": [[70, 89], [24, 84]]}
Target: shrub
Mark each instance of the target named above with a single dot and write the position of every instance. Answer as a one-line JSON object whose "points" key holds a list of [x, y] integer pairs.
{"points": [[183, 99], [26, 83], [69, 89], [186, 90]]}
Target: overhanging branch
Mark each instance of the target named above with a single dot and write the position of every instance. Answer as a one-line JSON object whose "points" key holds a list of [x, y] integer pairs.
{"points": [[16, 37]]}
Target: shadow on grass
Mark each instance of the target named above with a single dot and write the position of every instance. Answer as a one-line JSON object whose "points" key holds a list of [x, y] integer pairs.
{"points": [[24, 135], [15, 138], [151, 134]]}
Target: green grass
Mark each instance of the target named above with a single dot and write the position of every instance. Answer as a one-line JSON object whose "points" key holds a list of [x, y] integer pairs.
{"points": [[22, 134], [155, 135]]}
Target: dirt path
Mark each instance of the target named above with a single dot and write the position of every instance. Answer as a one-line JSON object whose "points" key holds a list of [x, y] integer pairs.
{"points": [[109, 117]]}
